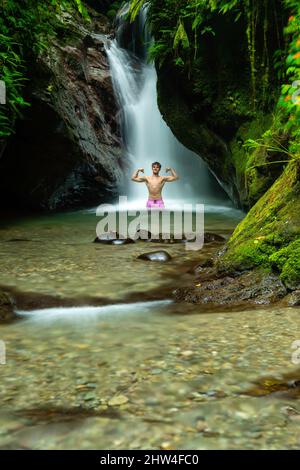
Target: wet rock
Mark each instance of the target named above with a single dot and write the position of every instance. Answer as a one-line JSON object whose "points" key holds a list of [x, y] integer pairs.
{"points": [[118, 400], [187, 353], [293, 299], [269, 234], [70, 135], [7, 304], [290, 411], [158, 256], [256, 288], [166, 446], [126, 241], [201, 425], [195, 134], [213, 237], [288, 386], [202, 266], [111, 238]]}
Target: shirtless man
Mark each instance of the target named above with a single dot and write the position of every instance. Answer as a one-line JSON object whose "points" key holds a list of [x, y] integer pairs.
{"points": [[155, 184]]}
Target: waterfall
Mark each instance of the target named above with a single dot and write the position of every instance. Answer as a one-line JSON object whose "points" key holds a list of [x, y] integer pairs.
{"points": [[147, 138]]}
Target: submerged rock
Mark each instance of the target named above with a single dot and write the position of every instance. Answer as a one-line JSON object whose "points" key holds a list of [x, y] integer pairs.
{"points": [[288, 387], [6, 307], [113, 239], [158, 256]]}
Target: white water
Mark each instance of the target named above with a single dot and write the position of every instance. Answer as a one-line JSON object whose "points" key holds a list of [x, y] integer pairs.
{"points": [[147, 137], [71, 314]]}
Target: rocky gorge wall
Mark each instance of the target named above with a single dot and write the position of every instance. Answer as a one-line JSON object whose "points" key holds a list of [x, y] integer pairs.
{"points": [[67, 150], [212, 110]]}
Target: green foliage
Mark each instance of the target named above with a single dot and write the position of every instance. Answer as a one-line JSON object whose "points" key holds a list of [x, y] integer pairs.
{"points": [[287, 117], [179, 26], [82, 10], [25, 29], [289, 102], [272, 144], [135, 6], [287, 262], [181, 37], [113, 8], [269, 236]]}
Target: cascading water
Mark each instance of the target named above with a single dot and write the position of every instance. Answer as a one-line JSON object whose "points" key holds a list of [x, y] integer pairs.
{"points": [[147, 137]]}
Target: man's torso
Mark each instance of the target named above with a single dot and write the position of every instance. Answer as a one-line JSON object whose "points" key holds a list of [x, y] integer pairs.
{"points": [[155, 185]]}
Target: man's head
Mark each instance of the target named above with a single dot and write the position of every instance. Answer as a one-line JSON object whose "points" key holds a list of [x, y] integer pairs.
{"points": [[156, 166]]}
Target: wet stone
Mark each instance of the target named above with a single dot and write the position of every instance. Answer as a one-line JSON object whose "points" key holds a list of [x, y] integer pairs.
{"points": [[156, 256]]}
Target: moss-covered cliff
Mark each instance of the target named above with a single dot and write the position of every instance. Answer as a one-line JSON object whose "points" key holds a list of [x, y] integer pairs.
{"points": [[214, 105], [269, 236]]}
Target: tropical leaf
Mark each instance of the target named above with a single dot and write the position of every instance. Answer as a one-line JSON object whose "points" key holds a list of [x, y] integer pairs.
{"points": [[181, 37]]}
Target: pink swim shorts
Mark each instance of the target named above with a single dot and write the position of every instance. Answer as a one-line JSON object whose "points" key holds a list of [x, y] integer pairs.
{"points": [[155, 204]]}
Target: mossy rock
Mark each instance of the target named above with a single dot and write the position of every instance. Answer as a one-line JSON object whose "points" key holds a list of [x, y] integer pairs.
{"points": [[287, 261], [269, 236], [111, 14]]}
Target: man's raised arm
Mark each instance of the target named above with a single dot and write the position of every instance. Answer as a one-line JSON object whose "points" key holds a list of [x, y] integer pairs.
{"points": [[138, 179], [174, 176]]}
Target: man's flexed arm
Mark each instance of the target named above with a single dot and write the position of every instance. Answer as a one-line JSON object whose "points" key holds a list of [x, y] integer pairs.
{"points": [[174, 176], [138, 179]]}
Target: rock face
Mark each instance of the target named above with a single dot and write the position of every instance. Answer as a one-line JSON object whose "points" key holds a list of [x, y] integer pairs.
{"points": [[195, 134], [269, 236], [254, 288], [67, 151], [219, 144], [260, 264], [212, 104]]}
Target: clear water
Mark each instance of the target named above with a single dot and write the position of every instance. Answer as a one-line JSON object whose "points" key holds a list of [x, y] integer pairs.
{"points": [[101, 358], [54, 255], [142, 373]]}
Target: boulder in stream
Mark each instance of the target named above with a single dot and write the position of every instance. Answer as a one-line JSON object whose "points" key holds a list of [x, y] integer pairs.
{"points": [[158, 256]]}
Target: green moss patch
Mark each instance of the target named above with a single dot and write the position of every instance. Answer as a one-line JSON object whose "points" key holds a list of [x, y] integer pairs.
{"points": [[269, 236]]}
